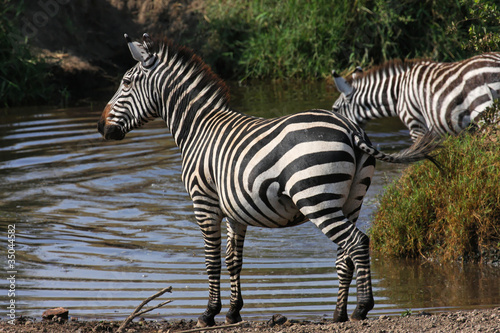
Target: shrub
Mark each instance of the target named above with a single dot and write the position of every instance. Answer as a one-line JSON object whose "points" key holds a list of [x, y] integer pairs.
{"points": [[307, 39], [448, 215], [276, 39], [22, 75]]}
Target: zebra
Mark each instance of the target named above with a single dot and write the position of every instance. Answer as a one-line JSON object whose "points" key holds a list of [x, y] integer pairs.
{"points": [[425, 95], [313, 166]]}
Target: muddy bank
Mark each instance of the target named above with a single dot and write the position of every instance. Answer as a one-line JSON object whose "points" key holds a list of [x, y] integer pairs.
{"points": [[461, 321], [83, 40]]}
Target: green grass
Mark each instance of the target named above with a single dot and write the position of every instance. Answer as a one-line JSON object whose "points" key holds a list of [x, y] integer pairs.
{"points": [[298, 39], [307, 39], [450, 215], [276, 39]]}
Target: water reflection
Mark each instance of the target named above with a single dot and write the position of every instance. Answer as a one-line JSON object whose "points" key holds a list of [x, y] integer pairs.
{"points": [[433, 286], [103, 225]]}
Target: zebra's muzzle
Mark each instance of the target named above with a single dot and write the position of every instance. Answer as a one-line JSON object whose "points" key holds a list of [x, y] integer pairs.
{"points": [[110, 132]]}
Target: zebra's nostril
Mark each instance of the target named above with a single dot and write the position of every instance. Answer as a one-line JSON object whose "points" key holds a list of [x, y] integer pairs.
{"points": [[113, 132], [100, 126]]}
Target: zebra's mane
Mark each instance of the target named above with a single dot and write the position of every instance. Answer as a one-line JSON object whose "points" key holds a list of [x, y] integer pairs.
{"points": [[388, 66], [167, 50]]}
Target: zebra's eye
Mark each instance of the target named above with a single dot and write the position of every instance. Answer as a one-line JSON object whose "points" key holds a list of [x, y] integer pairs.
{"points": [[126, 82]]}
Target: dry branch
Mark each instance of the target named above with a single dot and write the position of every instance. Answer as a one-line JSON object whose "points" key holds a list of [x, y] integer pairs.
{"points": [[138, 312]]}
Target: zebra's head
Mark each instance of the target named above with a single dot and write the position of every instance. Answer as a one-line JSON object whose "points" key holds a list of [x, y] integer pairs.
{"points": [[343, 103], [135, 102]]}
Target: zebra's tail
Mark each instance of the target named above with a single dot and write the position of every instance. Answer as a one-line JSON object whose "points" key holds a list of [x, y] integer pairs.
{"points": [[420, 150]]}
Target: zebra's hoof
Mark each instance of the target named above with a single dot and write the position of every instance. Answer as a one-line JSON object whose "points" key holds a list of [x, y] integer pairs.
{"points": [[340, 316], [233, 318], [205, 321], [233, 315], [361, 311]]}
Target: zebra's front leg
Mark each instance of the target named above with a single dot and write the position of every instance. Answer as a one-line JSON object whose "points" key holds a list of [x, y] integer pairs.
{"points": [[345, 270], [234, 260], [212, 235]]}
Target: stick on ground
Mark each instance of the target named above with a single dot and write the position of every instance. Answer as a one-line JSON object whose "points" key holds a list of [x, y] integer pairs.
{"points": [[138, 312]]}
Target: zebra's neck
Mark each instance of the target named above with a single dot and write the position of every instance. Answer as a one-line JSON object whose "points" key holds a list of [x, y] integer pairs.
{"points": [[377, 91], [189, 90]]}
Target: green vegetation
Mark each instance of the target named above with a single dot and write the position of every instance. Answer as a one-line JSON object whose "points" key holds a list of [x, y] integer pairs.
{"points": [[407, 313], [449, 215], [272, 39], [22, 75], [307, 39]]}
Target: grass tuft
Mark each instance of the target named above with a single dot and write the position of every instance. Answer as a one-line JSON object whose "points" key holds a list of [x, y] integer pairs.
{"points": [[450, 216]]}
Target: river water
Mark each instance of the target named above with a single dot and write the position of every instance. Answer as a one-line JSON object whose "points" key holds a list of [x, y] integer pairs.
{"points": [[100, 226]]}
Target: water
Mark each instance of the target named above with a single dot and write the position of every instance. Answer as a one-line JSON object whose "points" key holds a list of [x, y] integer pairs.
{"points": [[100, 225]]}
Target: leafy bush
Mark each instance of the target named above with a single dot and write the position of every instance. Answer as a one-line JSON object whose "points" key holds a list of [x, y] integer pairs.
{"points": [[22, 75], [484, 31], [307, 39], [449, 215], [277, 39]]}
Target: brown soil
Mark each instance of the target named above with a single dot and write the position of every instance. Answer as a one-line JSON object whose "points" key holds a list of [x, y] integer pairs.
{"points": [[83, 39], [460, 321]]}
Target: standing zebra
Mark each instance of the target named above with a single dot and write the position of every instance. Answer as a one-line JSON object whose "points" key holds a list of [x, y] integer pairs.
{"points": [[444, 97], [314, 165]]}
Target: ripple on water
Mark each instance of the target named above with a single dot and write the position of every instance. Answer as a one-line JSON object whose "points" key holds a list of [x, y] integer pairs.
{"points": [[102, 225]]}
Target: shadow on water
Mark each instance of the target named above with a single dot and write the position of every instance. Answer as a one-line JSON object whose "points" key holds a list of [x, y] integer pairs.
{"points": [[102, 225]]}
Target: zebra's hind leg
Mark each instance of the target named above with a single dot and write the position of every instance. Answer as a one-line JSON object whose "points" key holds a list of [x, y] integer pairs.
{"points": [[355, 245], [360, 255], [345, 270], [211, 230], [234, 260]]}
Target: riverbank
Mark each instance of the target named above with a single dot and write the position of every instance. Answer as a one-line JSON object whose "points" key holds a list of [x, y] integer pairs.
{"points": [[486, 320], [66, 51]]}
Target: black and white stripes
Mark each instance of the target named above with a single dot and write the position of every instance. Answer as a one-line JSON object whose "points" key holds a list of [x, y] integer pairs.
{"points": [[310, 166], [444, 97]]}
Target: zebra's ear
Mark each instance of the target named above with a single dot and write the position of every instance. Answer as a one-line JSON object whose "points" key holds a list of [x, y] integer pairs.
{"points": [[358, 70], [140, 52], [342, 84], [147, 42]]}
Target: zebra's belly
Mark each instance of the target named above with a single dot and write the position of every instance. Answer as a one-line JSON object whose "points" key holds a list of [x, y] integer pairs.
{"points": [[276, 211]]}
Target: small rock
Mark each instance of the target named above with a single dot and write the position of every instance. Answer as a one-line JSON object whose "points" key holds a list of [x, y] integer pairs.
{"points": [[383, 317], [424, 314], [461, 319], [56, 312], [277, 319]]}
